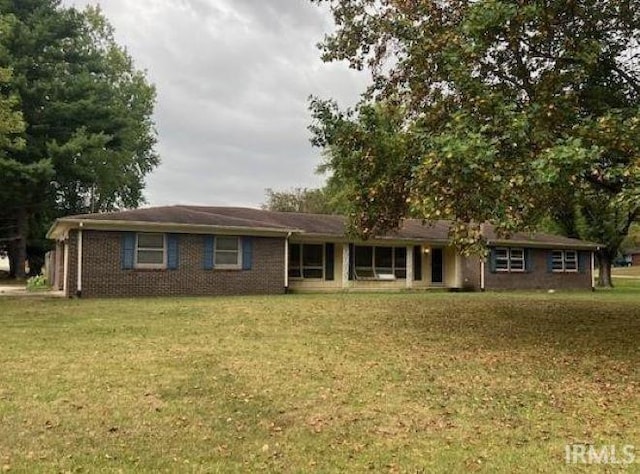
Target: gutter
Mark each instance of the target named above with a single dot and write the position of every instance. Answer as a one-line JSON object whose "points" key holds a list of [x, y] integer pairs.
{"points": [[64, 224], [544, 245], [373, 240]]}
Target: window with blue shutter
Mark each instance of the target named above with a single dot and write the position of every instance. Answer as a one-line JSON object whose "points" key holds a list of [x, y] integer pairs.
{"points": [[128, 250], [209, 244], [247, 252], [528, 257], [173, 251]]}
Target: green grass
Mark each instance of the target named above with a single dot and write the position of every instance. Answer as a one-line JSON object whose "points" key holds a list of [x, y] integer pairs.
{"points": [[331, 383], [633, 271]]}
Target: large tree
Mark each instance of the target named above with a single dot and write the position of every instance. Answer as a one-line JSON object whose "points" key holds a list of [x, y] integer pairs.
{"points": [[485, 110], [305, 200], [89, 137]]}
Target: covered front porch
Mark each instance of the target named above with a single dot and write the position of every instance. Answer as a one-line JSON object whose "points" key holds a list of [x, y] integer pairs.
{"points": [[317, 265]]}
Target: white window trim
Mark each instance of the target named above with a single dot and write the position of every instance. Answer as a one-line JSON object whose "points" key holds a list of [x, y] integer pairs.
{"points": [[302, 267], [227, 266], [151, 266], [510, 259], [564, 268]]}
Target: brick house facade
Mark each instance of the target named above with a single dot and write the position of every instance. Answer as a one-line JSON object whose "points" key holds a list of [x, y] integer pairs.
{"points": [[184, 250], [103, 275]]}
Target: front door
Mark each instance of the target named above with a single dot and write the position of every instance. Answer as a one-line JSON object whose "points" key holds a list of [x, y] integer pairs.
{"points": [[436, 266]]}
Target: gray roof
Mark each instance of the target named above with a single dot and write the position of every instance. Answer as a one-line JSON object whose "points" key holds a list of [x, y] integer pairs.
{"points": [[308, 224]]}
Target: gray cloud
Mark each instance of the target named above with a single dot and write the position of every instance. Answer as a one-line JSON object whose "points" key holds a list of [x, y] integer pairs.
{"points": [[233, 78]]}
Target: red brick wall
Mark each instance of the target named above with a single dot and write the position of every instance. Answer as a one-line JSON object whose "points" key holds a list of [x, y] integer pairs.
{"points": [[102, 274], [471, 273], [635, 259], [538, 277]]}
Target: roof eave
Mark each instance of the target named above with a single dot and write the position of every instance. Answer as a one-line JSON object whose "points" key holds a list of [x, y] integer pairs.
{"points": [[61, 226], [379, 239], [545, 245]]}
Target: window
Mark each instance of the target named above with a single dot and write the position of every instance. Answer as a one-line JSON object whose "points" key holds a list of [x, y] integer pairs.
{"points": [[150, 251], [380, 262], [383, 260], [295, 261], [312, 261], [564, 261], [364, 262], [227, 252], [400, 262], [509, 260], [306, 261]]}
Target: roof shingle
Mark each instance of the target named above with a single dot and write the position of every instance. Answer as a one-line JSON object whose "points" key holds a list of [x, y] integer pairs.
{"points": [[309, 224]]}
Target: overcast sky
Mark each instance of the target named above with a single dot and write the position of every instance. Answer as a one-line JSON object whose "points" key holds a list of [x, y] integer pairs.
{"points": [[233, 78]]}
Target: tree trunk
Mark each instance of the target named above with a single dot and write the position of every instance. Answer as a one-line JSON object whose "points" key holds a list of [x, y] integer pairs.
{"points": [[13, 263], [604, 267], [18, 248], [36, 258]]}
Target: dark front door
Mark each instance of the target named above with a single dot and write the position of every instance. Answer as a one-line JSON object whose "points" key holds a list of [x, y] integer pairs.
{"points": [[436, 266]]}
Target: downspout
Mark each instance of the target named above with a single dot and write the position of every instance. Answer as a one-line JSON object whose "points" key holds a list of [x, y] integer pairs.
{"points": [[286, 263], [482, 266], [79, 282], [593, 271]]}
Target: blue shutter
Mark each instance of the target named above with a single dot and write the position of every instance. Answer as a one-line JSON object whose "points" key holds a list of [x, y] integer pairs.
{"points": [[528, 260], [209, 243], [172, 251], [128, 247], [550, 261], [584, 261], [247, 252], [492, 260], [329, 255]]}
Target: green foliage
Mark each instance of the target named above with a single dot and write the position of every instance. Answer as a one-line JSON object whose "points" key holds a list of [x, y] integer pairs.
{"points": [[632, 241], [485, 111], [314, 201], [88, 138], [37, 283], [370, 158]]}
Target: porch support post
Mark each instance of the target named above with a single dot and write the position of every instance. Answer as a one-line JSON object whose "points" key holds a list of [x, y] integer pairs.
{"points": [[345, 265], [286, 262], [65, 271], [409, 263], [458, 270], [57, 278]]}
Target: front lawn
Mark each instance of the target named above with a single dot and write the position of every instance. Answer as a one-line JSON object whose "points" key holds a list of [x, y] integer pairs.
{"points": [[432, 382]]}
